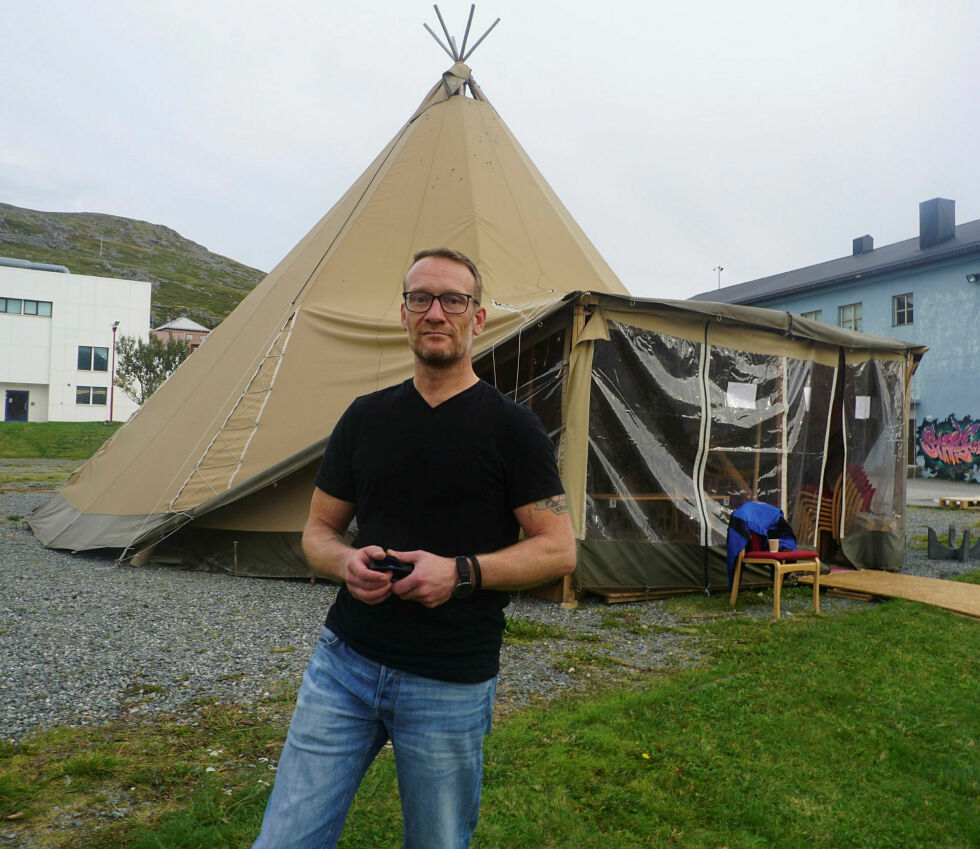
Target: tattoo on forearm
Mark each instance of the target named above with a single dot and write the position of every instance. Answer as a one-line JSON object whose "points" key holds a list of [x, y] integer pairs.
{"points": [[556, 504]]}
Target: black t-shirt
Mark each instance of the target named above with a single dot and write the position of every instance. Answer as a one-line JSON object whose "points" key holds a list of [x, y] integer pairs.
{"points": [[442, 479]]}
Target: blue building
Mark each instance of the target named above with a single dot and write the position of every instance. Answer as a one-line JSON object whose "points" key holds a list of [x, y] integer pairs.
{"points": [[924, 290]]}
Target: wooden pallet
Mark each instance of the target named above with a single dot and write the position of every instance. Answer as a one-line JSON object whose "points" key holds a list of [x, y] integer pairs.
{"points": [[950, 595], [628, 595], [963, 503]]}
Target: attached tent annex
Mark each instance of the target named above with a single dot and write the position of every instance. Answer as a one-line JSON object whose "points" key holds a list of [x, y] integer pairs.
{"points": [[667, 415]]}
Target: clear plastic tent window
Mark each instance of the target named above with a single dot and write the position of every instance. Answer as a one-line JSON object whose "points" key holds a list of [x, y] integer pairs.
{"points": [[874, 440], [644, 429], [681, 433], [531, 370]]}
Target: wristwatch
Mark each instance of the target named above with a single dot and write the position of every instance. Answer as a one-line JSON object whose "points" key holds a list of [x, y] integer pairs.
{"points": [[464, 581]]}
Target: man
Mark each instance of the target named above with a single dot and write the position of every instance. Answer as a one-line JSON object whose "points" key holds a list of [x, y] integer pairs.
{"points": [[442, 472]]}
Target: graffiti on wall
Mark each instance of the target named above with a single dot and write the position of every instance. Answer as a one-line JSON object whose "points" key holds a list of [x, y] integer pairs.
{"points": [[949, 448]]}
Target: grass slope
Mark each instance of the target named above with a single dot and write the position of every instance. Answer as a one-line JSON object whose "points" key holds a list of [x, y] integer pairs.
{"points": [[187, 278]]}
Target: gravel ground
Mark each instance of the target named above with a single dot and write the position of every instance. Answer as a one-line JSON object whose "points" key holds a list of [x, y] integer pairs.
{"points": [[83, 641]]}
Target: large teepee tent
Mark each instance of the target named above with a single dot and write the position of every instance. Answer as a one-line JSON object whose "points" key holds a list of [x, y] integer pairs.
{"points": [[227, 443]]}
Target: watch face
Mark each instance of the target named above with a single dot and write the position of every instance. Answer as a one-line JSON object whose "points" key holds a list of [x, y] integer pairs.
{"points": [[463, 590]]}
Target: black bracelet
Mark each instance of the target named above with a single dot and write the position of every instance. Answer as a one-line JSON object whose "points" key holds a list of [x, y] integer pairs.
{"points": [[477, 574]]}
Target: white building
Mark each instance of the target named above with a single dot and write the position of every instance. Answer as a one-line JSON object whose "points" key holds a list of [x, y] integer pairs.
{"points": [[56, 343]]}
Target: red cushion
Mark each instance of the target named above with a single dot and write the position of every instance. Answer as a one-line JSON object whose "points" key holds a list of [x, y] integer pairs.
{"points": [[781, 555]]}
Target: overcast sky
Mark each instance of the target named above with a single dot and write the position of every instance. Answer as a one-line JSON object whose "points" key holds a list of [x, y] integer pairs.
{"points": [[758, 136]]}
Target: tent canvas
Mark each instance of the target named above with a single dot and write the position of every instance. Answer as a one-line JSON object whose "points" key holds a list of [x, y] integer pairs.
{"points": [[664, 413]]}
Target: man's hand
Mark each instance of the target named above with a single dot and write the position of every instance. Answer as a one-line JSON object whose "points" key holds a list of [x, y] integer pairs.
{"points": [[432, 580], [328, 552], [363, 582]]}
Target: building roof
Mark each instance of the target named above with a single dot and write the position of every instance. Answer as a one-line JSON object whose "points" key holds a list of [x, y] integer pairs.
{"points": [[184, 323], [884, 260], [12, 262]]}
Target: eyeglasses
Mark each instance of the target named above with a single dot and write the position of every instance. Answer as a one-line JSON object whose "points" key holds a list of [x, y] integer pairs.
{"points": [[452, 303]]}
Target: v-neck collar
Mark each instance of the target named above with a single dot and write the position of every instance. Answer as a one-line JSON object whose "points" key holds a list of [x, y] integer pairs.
{"points": [[410, 384]]}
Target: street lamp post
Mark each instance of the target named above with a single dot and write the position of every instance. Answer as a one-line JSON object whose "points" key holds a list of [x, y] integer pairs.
{"points": [[112, 379]]}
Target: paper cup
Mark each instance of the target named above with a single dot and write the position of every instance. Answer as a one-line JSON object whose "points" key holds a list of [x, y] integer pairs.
{"points": [[774, 545]]}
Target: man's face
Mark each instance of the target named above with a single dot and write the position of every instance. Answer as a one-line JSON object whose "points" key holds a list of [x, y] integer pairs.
{"points": [[436, 337]]}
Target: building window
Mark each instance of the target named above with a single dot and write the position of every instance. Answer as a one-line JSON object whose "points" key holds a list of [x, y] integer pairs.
{"points": [[93, 359], [849, 316], [902, 309], [813, 316], [96, 395], [19, 306]]}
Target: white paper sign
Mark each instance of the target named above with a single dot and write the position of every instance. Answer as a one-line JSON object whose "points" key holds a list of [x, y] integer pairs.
{"points": [[862, 407], [741, 395]]}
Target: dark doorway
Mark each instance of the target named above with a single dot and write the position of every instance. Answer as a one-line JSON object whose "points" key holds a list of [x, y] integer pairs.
{"points": [[15, 409]]}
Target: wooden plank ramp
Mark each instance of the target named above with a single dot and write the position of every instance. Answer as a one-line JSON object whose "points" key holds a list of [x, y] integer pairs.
{"points": [[950, 595]]}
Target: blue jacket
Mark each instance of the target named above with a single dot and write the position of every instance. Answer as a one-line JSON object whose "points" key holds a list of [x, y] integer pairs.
{"points": [[760, 518]]}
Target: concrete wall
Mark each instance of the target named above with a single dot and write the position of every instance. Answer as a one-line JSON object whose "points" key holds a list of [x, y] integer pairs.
{"points": [[40, 354]]}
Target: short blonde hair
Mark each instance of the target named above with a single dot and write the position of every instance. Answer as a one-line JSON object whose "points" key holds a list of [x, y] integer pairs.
{"points": [[455, 256]]}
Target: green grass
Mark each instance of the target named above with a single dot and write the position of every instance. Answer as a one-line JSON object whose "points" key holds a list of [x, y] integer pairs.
{"points": [[197, 781], [53, 440], [525, 631], [827, 733], [854, 730], [86, 765]]}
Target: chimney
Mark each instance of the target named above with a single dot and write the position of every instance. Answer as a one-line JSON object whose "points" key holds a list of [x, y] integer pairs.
{"points": [[863, 245], [937, 222]]}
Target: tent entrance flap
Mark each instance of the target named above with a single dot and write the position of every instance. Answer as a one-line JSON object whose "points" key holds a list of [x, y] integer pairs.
{"points": [[870, 489]]}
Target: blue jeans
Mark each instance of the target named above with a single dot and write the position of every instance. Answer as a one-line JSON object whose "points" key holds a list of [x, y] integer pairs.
{"points": [[347, 708]]}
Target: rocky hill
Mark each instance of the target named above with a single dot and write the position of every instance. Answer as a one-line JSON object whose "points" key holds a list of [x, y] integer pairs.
{"points": [[187, 278]]}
